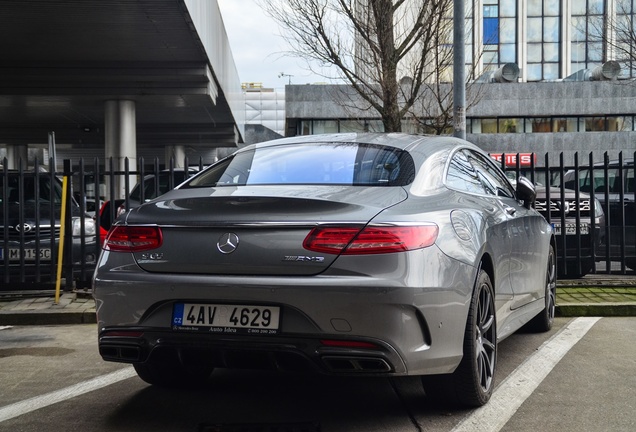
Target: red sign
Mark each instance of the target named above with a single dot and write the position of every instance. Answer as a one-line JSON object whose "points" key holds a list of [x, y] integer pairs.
{"points": [[525, 159]]}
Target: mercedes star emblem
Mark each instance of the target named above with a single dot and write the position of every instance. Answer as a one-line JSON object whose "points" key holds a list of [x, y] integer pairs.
{"points": [[227, 243]]}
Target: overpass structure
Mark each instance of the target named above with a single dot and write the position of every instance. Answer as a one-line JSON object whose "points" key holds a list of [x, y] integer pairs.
{"points": [[116, 78]]}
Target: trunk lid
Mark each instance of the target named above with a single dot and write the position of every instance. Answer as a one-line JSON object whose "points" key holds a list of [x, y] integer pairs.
{"points": [[253, 230]]}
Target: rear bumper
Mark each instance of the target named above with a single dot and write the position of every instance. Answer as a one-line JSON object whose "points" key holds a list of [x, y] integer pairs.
{"points": [[414, 315]]}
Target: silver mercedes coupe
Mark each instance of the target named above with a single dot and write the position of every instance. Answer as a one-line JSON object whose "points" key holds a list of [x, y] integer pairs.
{"points": [[344, 254]]}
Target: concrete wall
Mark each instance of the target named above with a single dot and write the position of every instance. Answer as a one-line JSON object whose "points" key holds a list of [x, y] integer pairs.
{"points": [[555, 99], [543, 99]]}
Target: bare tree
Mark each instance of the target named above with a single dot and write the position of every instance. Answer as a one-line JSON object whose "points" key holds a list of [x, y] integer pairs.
{"points": [[433, 111], [386, 50]]}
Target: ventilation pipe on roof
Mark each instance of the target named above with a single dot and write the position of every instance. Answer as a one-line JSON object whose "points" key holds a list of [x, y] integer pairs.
{"points": [[608, 71], [509, 72]]}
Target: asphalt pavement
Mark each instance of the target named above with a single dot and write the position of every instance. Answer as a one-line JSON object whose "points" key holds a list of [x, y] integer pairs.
{"points": [[594, 295]]}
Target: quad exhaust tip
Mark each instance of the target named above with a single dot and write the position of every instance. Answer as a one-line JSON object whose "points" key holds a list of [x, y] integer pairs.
{"points": [[356, 364], [123, 353]]}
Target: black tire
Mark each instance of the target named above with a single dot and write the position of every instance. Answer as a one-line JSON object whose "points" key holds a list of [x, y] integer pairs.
{"points": [[472, 382], [544, 320], [573, 271], [174, 369]]}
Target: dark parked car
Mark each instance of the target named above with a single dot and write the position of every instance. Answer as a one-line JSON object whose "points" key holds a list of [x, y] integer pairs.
{"points": [[576, 246], [620, 210], [30, 209], [345, 254], [151, 187]]}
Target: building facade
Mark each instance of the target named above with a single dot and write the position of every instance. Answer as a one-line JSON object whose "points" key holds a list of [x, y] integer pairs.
{"points": [[573, 90], [264, 106]]}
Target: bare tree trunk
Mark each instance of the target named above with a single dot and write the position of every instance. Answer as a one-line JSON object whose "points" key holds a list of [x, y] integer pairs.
{"points": [[372, 44]]}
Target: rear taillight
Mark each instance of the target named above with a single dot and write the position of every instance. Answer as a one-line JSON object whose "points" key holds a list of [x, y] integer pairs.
{"points": [[133, 238], [371, 239]]}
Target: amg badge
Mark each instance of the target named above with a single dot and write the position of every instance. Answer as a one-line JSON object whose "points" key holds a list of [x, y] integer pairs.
{"points": [[302, 258]]}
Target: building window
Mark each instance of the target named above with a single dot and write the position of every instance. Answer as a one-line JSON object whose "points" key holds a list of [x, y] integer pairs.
{"points": [[352, 126], [499, 33], [510, 125], [586, 28], [491, 24], [619, 124], [543, 40], [626, 52], [538, 125], [595, 124], [324, 126], [479, 125], [565, 124], [488, 125], [304, 128]]}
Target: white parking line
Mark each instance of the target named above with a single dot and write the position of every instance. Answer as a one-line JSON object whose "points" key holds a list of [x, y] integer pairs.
{"points": [[519, 385], [26, 406]]}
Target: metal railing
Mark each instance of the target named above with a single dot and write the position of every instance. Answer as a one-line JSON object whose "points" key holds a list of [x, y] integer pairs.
{"points": [[591, 242]]}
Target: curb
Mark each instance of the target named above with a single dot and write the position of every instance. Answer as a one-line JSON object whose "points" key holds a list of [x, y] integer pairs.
{"points": [[598, 309], [48, 318]]}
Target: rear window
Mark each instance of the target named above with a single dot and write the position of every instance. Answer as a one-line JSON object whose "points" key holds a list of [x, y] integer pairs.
{"points": [[46, 191], [598, 183], [166, 183], [312, 164]]}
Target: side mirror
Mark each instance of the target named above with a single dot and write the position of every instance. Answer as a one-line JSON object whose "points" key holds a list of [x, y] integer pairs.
{"points": [[526, 192]]}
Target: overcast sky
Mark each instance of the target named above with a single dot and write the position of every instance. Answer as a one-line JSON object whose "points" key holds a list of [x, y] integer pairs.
{"points": [[257, 47]]}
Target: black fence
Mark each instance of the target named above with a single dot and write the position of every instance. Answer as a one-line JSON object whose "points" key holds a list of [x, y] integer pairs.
{"points": [[32, 206], [590, 205]]}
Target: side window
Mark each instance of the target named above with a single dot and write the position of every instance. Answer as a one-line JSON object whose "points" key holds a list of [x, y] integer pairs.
{"points": [[614, 180], [462, 176], [495, 182], [629, 185]]}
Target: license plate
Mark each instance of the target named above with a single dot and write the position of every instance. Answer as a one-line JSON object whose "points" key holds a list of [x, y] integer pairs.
{"points": [[224, 318], [570, 228], [29, 254]]}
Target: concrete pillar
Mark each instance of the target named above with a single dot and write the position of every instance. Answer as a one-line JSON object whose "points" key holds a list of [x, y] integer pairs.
{"points": [[120, 134], [15, 153], [177, 153], [522, 40], [566, 39]]}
